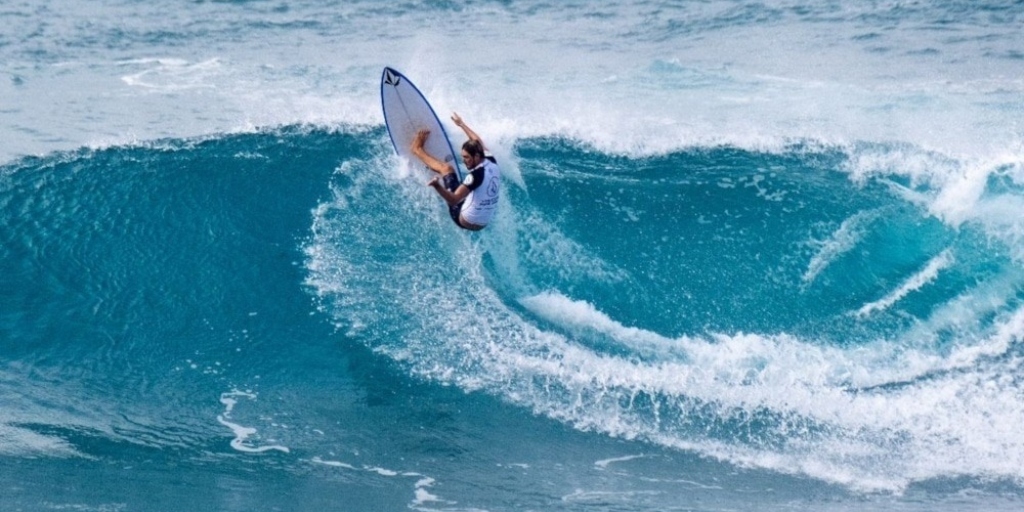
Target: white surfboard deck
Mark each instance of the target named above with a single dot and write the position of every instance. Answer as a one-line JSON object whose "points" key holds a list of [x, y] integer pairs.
{"points": [[406, 112]]}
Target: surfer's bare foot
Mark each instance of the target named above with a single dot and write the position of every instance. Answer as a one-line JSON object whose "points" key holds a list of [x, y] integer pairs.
{"points": [[432, 163], [419, 141]]}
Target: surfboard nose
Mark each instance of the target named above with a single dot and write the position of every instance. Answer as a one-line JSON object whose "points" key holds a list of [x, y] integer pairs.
{"points": [[391, 77]]}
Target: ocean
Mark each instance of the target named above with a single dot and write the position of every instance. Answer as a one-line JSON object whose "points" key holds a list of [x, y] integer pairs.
{"points": [[749, 256]]}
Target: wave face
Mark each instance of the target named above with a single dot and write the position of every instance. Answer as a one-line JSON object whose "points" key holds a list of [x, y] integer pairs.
{"points": [[748, 256], [757, 308]]}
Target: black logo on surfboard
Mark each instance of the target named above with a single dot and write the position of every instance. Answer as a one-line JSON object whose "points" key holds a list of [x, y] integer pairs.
{"points": [[391, 78]]}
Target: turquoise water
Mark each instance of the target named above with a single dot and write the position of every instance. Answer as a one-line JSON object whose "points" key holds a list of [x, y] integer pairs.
{"points": [[749, 257]]}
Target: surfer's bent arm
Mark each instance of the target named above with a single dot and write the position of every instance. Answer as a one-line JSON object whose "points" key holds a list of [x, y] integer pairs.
{"points": [[452, 198], [469, 131], [433, 163]]}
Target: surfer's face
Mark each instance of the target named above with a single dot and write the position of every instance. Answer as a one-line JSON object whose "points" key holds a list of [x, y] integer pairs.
{"points": [[470, 160]]}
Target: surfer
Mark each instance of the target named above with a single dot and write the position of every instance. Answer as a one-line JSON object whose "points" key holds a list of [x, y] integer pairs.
{"points": [[472, 202]]}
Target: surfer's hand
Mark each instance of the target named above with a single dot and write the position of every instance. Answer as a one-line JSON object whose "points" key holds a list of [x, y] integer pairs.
{"points": [[434, 182], [457, 120]]}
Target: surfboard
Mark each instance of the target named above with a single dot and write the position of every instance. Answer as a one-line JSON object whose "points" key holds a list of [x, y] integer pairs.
{"points": [[406, 111]]}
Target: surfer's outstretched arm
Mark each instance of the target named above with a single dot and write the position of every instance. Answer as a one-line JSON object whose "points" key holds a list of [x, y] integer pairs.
{"points": [[433, 163], [452, 197], [469, 131]]}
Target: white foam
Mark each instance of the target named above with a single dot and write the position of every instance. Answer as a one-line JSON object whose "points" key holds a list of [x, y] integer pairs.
{"points": [[603, 498], [21, 442], [963, 314], [869, 438], [172, 75], [242, 433], [845, 238], [1000, 219], [583, 317], [332, 463], [954, 190], [421, 496], [603, 464], [924, 276]]}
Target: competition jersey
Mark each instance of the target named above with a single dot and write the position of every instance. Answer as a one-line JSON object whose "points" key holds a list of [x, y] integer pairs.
{"points": [[483, 182]]}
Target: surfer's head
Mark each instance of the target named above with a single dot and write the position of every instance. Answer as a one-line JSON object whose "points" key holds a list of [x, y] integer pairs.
{"points": [[474, 148], [472, 153]]}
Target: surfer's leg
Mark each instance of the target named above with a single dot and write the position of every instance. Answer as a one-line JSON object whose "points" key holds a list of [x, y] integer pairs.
{"points": [[454, 212], [432, 163], [451, 182]]}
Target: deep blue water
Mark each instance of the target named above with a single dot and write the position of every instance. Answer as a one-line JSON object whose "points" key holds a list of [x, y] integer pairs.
{"points": [[749, 257]]}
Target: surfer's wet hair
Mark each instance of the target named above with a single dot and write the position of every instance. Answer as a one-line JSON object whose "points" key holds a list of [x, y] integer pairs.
{"points": [[474, 148]]}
